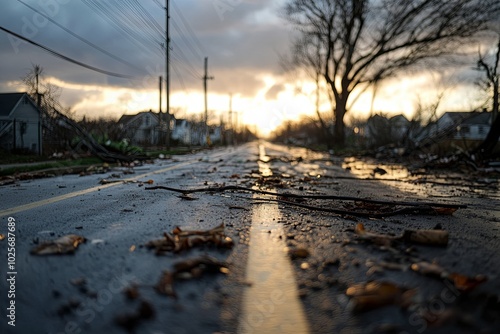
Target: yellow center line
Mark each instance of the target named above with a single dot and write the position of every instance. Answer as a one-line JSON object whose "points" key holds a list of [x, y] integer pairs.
{"points": [[271, 304]]}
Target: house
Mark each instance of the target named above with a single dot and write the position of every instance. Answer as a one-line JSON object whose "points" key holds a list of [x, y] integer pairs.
{"points": [[381, 130], [455, 129], [469, 125], [20, 123], [143, 128], [182, 131]]}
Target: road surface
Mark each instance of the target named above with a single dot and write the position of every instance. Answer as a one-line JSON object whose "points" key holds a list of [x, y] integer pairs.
{"points": [[292, 268]]}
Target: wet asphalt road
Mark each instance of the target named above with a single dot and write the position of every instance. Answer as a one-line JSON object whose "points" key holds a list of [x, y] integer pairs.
{"points": [[83, 292]]}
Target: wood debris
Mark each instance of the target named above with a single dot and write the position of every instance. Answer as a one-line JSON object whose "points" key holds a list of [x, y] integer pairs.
{"points": [[462, 282], [373, 295], [64, 245], [179, 240], [192, 268]]}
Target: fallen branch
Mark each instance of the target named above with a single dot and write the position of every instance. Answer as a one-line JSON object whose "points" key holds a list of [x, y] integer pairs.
{"points": [[420, 205]]}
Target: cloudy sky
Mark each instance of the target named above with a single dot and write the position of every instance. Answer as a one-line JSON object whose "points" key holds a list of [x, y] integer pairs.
{"points": [[243, 40]]}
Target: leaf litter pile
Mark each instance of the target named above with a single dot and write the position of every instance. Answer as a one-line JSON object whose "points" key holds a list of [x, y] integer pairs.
{"points": [[179, 240], [176, 241], [63, 245]]}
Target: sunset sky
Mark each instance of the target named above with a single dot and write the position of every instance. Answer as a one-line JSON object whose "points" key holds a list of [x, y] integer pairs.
{"points": [[243, 41]]}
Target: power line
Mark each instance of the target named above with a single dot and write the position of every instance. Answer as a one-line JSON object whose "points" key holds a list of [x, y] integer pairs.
{"points": [[71, 60], [189, 29], [121, 60], [106, 12], [186, 41], [186, 60]]}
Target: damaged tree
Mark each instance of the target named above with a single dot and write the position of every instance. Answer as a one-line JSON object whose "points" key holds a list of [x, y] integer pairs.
{"points": [[364, 42], [492, 82]]}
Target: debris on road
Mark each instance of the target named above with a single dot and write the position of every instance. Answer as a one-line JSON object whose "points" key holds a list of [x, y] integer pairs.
{"points": [[373, 295], [461, 282], [425, 237], [191, 268], [179, 240], [298, 253], [362, 207], [130, 321], [377, 239], [64, 245]]}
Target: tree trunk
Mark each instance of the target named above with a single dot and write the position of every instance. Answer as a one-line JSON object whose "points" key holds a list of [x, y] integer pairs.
{"points": [[339, 129], [495, 101], [488, 145]]}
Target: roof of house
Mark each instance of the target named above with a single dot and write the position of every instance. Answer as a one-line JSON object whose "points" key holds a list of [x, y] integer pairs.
{"points": [[469, 117], [8, 101], [128, 118]]}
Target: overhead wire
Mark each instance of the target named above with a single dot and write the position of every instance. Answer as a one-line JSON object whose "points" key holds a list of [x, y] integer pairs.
{"points": [[189, 29], [69, 59], [186, 41], [107, 14], [84, 40]]}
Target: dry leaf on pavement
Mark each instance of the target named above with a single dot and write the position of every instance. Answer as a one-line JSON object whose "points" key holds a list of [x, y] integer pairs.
{"points": [[373, 295], [187, 269], [64, 245], [179, 240]]}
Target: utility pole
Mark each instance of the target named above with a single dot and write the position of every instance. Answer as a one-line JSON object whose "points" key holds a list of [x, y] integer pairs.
{"points": [[205, 78], [230, 121], [161, 91], [167, 68]]}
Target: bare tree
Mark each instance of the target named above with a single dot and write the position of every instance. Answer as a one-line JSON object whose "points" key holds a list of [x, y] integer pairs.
{"points": [[363, 42], [491, 83]]}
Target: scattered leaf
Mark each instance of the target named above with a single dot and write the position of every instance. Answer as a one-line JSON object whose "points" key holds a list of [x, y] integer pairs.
{"points": [[427, 237], [105, 181], [373, 295], [149, 182], [2, 236], [188, 197], [179, 240], [466, 283], [304, 266], [131, 292], [461, 282], [444, 210], [298, 253], [378, 239], [187, 269], [64, 245], [130, 321], [429, 269]]}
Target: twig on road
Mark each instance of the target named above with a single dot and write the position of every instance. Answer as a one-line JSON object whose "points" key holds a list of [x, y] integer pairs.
{"points": [[409, 207]]}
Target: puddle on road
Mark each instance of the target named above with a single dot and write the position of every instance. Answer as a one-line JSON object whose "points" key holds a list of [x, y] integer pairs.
{"points": [[447, 185], [271, 304]]}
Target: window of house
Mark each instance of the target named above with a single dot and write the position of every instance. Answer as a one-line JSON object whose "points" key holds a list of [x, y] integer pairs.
{"points": [[481, 129], [463, 130], [146, 121]]}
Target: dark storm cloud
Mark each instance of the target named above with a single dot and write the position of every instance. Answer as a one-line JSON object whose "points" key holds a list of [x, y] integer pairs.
{"points": [[239, 37]]}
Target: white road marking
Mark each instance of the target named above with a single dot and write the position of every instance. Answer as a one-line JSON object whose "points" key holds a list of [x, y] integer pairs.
{"points": [[29, 206]]}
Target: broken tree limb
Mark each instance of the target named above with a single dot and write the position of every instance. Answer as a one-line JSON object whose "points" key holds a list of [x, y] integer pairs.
{"points": [[319, 197], [400, 211]]}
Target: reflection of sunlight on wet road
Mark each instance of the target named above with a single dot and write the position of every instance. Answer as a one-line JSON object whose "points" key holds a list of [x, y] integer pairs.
{"points": [[271, 303]]}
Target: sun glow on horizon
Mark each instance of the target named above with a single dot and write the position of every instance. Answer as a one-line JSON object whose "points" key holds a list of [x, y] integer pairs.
{"points": [[266, 111]]}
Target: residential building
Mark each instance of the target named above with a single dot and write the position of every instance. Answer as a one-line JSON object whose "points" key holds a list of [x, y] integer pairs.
{"points": [[143, 128], [20, 123]]}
